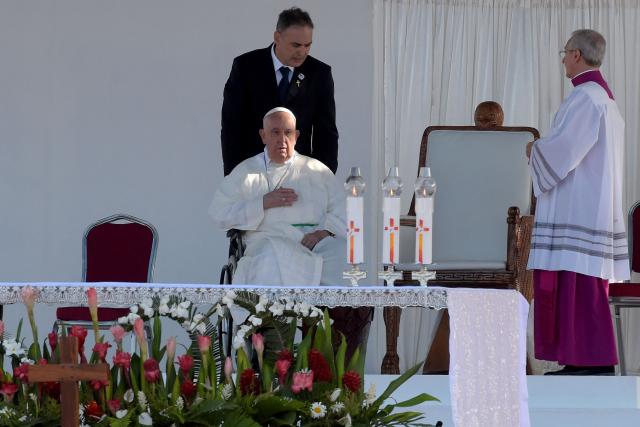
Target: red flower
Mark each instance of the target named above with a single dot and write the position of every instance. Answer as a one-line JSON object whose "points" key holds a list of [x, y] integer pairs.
{"points": [[80, 333], [186, 363], [151, 370], [52, 390], [285, 354], [21, 372], [351, 381], [114, 405], [53, 341], [318, 364], [92, 410], [101, 350], [282, 367], [249, 383], [8, 390], [96, 385], [188, 389], [122, 359]]}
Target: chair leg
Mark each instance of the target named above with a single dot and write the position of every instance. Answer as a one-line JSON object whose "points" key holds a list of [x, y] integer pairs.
{"points": [[622, 370], [391, 360]]}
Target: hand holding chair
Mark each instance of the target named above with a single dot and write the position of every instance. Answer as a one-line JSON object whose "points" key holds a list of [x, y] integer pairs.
{"points": [[119, 248]]}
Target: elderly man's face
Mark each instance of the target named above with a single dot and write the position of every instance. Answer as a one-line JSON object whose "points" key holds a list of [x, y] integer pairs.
{"points": [[570, 60], [293, 44], [279, 135]]}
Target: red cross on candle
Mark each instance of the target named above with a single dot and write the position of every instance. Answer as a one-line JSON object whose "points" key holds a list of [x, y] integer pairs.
{"points": [[351, 231], [392, 227], [421, 229]]}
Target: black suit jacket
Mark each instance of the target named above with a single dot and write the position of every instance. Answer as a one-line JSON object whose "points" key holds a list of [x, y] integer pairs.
{"points": [[251, 91]]}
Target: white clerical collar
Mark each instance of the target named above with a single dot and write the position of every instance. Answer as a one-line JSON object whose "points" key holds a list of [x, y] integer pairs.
{"points": [[584, 72], [276, 62], [267, 160]]}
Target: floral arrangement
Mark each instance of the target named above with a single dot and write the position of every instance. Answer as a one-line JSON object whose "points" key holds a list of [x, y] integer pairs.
{"points": [[273, 381]]}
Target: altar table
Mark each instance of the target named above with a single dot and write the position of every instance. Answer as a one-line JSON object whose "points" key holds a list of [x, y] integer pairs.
{"points": [[487, 341]]}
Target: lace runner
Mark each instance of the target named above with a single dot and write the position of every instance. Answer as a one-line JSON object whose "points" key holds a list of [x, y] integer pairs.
{"points": [[331, 296], [487, 373]]}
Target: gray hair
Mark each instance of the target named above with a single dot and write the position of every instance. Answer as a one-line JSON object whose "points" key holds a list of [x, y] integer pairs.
{"points": [[591, 45], [274, 111]]}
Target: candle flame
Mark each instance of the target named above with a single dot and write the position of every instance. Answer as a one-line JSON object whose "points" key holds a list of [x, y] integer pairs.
{"points": [[353, 191], [391, 192]]}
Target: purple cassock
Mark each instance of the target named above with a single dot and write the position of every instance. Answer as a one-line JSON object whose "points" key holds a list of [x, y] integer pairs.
{"points": [[572, 319]]}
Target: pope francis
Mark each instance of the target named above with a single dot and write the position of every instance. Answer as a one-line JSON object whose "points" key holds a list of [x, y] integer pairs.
{"points": [[291, 208]]}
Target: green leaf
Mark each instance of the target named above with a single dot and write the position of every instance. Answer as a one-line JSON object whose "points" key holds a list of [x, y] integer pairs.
{"points": [[395, 384], [416, 400], [267, 377], [342, 352], [157, 338], [268, 406], [302, 361], [20, 329]]}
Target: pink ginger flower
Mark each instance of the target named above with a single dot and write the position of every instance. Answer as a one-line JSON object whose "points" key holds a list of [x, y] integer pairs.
{"points": [[101, 350], [151, 370], [186, 363], [171, 349], [204, 343], [8, 390], [228, 369], [122, 359], [282, 368], [302, 380], [29, 296], [92, 298]]}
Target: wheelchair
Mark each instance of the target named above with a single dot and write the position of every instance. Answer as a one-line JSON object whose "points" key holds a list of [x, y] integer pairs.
{"points": [[236, 250]]}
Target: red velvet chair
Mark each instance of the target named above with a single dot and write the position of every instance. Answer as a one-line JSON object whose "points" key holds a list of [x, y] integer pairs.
{"points": [[627, 295], [119, 248]]}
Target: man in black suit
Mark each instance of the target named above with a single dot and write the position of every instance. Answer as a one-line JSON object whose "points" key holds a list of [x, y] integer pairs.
{"points": [[282, 74]]}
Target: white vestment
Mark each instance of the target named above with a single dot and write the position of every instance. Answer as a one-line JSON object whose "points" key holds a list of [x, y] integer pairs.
{"points": [[274, 254], [577, 179]]}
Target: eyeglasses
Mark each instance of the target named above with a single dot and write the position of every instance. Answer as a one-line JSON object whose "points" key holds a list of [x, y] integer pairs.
{"points": [[562, 53]]}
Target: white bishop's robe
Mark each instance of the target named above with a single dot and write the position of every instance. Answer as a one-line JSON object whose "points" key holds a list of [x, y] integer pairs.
{"points": [[577, 179], [274, 254]]}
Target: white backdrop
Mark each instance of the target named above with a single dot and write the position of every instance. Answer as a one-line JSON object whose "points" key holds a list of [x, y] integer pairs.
{"points": [[114, 106]]}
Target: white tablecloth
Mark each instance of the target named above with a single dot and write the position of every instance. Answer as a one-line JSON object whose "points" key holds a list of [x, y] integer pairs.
{"points": [[487, 345]]}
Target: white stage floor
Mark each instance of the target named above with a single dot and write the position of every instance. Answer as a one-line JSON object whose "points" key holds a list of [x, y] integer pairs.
{"points": [[562, 401]]}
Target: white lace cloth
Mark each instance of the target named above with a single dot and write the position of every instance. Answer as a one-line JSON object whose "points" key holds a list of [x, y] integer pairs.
{"points": [[487, 372], [128, 293]]}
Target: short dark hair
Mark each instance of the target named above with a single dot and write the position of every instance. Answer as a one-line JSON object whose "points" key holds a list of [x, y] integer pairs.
{"points": [[293, 17]]}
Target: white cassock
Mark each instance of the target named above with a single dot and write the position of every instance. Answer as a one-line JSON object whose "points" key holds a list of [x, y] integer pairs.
{"points": [[577, 179], [274, 254]]}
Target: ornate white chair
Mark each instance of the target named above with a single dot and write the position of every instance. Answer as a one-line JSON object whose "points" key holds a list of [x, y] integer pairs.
{"points": [[480, 238]]}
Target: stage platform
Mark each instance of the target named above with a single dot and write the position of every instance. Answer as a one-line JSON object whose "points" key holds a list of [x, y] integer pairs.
{"points": [[554, 401]]}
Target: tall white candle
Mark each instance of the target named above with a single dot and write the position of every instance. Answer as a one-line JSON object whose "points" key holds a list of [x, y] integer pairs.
{"points": [[391, 230], [424, 228], [355, 222], [425, 190]]}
